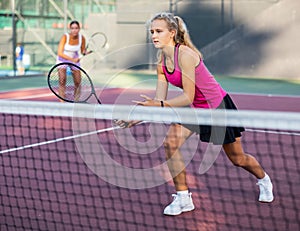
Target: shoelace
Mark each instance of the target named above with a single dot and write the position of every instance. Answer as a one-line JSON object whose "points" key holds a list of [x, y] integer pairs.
{"points": [[266, 189], [175, 196], [261, 184], [176, 199]]}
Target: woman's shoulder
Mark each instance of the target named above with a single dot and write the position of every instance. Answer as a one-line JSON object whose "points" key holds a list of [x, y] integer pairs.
{"points": [[187, 53], [63, 37], [185, 50], [82, 36]]}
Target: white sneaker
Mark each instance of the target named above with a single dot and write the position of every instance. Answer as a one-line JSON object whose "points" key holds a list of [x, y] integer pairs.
{"points": [[181, 203], [266, 190]]}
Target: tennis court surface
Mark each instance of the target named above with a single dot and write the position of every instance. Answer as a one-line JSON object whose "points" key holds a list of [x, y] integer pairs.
{"points": [[66, 168]]}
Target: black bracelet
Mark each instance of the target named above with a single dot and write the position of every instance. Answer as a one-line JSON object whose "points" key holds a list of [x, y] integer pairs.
{"points": [[162, 103]]}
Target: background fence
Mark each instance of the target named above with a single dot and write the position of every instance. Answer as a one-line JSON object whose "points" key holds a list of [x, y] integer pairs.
{"points": [[251, 32]]}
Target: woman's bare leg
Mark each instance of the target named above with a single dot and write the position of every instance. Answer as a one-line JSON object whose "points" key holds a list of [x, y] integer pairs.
{"points": [[183, 201], [239, 158], [62, 82], [77, 84], [176, 137]]}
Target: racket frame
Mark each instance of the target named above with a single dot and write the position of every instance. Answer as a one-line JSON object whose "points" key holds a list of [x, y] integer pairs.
{"points": [[93, 35], [56, 66]]}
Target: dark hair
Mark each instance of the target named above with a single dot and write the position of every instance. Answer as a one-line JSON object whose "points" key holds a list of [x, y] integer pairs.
{"points": [[74, 22]]}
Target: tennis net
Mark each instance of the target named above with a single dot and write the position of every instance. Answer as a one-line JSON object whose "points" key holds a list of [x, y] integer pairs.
{"points": [[67, 167]]}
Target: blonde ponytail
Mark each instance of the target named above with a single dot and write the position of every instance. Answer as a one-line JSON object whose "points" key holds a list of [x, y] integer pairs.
{"points": [[183, 37]]}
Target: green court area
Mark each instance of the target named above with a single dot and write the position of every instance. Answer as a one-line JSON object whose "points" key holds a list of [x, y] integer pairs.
{"points": [[141, 79]]}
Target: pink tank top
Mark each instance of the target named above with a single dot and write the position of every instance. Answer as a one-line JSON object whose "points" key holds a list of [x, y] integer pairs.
{"points": [[208, 92]]}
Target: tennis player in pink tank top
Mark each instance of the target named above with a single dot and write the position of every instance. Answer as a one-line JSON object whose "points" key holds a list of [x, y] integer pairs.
{"points": [[181, 64], [208, 92]]}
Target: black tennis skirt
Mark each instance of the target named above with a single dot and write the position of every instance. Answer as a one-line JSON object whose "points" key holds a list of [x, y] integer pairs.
{"points": [[218, 134]]}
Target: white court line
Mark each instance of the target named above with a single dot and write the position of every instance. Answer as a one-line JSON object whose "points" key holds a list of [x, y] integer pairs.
{"points": [[272, 132], [31, 96], [57, 140], [264, 94], [110, 129]]}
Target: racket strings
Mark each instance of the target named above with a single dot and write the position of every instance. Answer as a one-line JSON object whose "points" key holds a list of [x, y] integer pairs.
{"points": [[70, 83], [96, 42]]}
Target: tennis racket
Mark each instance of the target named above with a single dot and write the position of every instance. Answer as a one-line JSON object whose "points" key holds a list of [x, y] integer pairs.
{"points": [[97, 41], [71, 83]]}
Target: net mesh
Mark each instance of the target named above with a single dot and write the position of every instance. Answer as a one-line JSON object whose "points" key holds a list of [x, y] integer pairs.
{"points": [[67, 167]]}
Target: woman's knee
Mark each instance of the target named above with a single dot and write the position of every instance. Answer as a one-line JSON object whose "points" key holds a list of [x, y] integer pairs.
{"points": [[171, 144], [238, 159], [235, 153], [175, 138]]}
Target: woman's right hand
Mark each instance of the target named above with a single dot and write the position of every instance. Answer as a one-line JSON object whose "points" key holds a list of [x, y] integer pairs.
{"points": [[126, 124], [75, 60]]}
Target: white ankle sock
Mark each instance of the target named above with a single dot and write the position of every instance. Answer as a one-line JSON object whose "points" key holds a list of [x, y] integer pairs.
{"points": [[266, 178], [182, 193]]}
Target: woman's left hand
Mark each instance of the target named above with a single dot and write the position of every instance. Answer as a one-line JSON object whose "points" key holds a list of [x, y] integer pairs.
{"points": [[147, 101]]}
